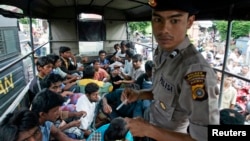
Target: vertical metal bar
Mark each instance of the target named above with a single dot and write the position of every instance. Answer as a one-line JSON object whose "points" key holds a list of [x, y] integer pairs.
{"points": [[77, 25], [50, 36], [228, 38], [31, 36], [153, 45], [128, 38], [32, 46]]}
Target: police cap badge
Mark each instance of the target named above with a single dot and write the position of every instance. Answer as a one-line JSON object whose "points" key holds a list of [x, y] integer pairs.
{"points": [[163, 5]]}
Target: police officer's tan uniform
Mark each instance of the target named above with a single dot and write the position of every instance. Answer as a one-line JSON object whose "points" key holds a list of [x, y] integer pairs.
{"points": [[185, 90]]}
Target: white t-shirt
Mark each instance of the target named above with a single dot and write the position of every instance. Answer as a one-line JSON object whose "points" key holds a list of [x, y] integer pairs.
{"points": [[136, 73], [120, 54], [128, 66], [83, 104], [229, 96]]}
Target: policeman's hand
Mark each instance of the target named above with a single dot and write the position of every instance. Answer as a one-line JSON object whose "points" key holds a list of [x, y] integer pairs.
{"points": [[130, 95], [137, 126]]}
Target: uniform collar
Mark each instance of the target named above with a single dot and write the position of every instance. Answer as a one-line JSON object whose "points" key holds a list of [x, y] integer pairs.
{"points": [[184, 44]]}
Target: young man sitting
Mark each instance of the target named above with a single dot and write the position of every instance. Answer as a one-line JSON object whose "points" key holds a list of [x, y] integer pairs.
{"points": [[115, 130], [20, 126], [46, 106], [88, 102]]}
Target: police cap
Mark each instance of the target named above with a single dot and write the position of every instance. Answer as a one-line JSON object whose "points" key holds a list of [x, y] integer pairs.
{"points": [[164, 5]]}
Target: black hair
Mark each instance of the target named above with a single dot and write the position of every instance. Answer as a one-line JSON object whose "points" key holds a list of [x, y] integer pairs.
{"points": [[116, 45], [63, 49], [231, 117], [102, 51], [130, 44], [16, 122], [53, 58], [117, 129], [130, 53], [89, 72], [137, 57], [50, 79], [45, 100], [91, 87], [96, 60], [123, 43], [149, 65], [42, 61]]}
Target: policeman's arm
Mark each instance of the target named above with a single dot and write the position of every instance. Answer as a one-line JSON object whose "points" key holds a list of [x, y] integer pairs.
{"points": [[131, 95], [136, 126], [146, 94], [161, 134]]}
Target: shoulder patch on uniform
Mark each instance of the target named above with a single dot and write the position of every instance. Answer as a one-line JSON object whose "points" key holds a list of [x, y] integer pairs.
{"points": [[197, 82]]}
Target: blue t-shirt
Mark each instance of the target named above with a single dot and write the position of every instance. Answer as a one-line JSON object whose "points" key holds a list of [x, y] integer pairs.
{"points": [[98, 135], [45, 128]]}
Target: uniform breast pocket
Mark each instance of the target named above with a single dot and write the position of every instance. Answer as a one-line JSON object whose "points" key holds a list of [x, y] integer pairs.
{"points": [[164, 95], [162, 112]]}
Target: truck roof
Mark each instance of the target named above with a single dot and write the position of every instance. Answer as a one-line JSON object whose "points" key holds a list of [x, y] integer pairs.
{"points": [[129, 10]]}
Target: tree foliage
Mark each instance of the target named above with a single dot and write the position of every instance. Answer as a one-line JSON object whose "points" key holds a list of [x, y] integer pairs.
{"points": [[26, 21], [239, 28], [138, 26]]}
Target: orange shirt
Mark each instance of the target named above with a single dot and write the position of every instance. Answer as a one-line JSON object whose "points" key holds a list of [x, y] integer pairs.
{"points": [[101, 74]]}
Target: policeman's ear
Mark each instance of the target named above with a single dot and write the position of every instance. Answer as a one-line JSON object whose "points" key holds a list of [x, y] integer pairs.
{"points": [[190, 21]]}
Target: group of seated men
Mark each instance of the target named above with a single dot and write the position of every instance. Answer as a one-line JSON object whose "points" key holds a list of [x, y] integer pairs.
{"points": [[68, 102], [89, 95]]}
